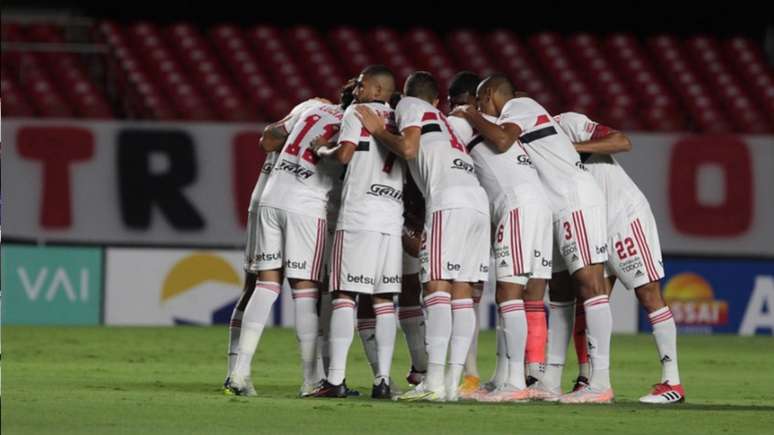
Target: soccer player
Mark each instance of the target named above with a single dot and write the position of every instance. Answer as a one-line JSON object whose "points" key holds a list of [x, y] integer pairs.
{"points": [[579, 217], [367, 250], [633, 237], [291, 241], [455, 247], [274, 136]]}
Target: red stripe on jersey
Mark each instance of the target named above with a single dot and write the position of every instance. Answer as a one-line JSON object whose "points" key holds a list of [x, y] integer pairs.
{"points": [[429, 116]]}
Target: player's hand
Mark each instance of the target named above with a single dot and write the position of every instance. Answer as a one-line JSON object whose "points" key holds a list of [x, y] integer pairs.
{"points": [[463, 111], [371, 121], [318, 142]]}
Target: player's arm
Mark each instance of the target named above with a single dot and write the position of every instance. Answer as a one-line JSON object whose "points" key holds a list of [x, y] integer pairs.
{"points": [[344, 152], [412, 242], [605, 141], [405, 144], [500, 136], [274, 136]]}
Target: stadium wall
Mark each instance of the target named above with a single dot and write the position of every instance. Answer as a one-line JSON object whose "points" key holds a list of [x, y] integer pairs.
{"points": [[142, 223]]}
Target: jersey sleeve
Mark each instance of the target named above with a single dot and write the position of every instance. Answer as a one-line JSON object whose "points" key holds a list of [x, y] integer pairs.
{"points": [[577, 126], [351, 127], [519, 111], [461, 128], [408, 113]]}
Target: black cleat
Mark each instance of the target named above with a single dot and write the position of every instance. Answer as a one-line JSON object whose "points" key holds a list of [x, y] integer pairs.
{"points": [[580, 382], [352, 393], [329, 390], [381, 391], [531, 380]]}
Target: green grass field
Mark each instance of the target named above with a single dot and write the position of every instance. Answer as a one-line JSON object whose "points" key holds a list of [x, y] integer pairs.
{"points": [[70, 380]]}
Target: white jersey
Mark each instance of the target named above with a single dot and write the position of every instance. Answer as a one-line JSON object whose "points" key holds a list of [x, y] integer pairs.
{"points": [[567, 182], [443, 170], [263, 176], [621, 194], [372, 192], [300, 181], [509, 179]]}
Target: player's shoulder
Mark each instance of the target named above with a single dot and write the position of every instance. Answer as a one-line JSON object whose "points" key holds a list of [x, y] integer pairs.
{"points": [[523, 104], [461, 127], [575, 122], [410, 103]]}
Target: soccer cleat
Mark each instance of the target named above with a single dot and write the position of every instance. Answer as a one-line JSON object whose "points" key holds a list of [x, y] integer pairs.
{"points": [[664, 394], [326, 389], [540, 391], [506, 393], [415, 377], [381, 391], [580, 382], [352, 393], [234, 387], [482, 391], [588, 394], [469, 388], [307, 389], [420, 393]]}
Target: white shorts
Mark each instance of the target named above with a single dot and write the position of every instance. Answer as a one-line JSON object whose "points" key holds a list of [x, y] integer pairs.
{"points": [[455, 246], [251, 243], [581, 238], [523, 245], [366, 262], [635, 257], [292, 242], [410, 264]]}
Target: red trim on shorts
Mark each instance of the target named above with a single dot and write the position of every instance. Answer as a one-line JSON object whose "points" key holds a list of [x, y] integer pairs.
{"points": [[580, 237], [336, 276], [639, 235], [435, 242], [516, 253], [318, 250]]}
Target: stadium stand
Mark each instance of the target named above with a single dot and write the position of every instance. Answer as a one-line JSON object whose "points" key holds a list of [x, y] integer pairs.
{"points": [[228, 73]]}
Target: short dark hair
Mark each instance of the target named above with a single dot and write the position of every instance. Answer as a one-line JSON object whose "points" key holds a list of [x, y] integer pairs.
{"points": [[462, 82], [377, 70], [422, 84], [346, 93], [395, 99]]}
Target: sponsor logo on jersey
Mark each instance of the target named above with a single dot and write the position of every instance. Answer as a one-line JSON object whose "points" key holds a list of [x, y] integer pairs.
{"points": [[483, 268], [524, 159], [581, 166], [384, 191], [502, 253], [601, 249], [266, 168], [546, 263], [454, 267], [537, 253], [294, 168], [463, 165]]}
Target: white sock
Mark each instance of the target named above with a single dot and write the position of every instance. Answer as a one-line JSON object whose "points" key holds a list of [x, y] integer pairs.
{"points": [[438, 329], [463, 327], [386, 325], [253, 320], [560, 324], [326, 309], [535, 370], [515, 331], [234, 329], [412, 322], [307, 323], [599, 328], [342, 329], [665, 333], [501, 362], [366, 329], [471, 360]]}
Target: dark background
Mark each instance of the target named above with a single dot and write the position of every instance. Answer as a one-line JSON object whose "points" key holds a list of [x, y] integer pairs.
{"points": [[527, 16]]}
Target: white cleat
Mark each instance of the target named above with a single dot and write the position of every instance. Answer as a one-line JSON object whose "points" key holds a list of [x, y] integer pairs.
{"points": [[235, 386], [421, 393], [540, 391], [506, 393], [664, 394], [307, 389]]}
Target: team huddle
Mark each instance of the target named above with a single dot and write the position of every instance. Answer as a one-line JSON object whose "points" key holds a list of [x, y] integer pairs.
{"points": [[383, 200]]}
